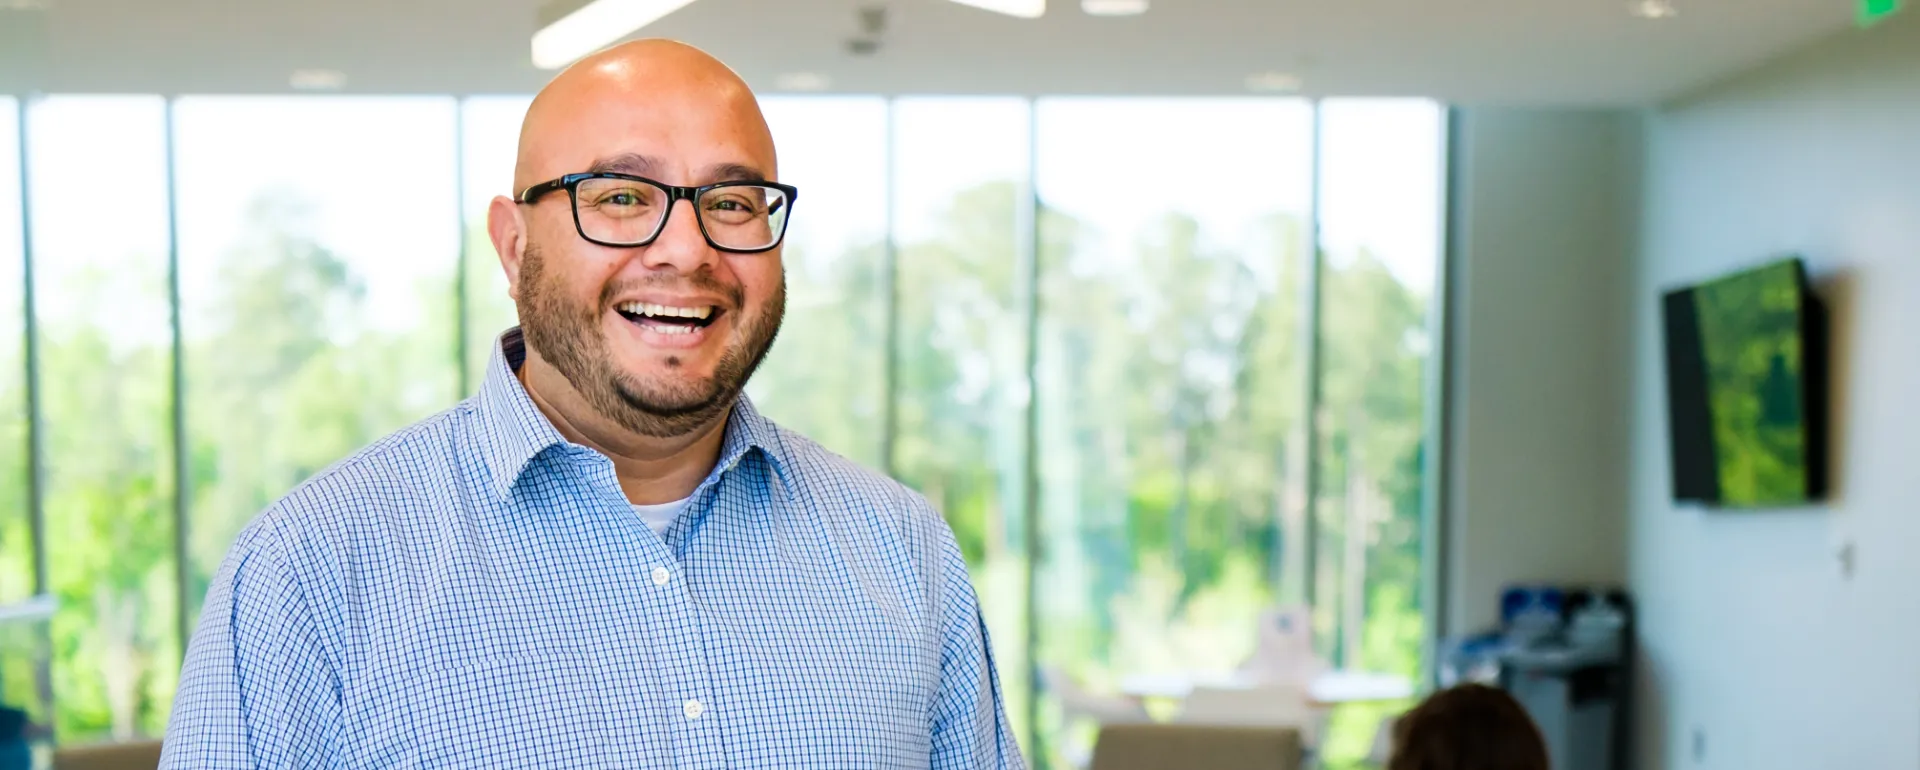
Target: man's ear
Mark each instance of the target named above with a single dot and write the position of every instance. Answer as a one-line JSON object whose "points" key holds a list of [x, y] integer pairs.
{"points": [[507, 227]]}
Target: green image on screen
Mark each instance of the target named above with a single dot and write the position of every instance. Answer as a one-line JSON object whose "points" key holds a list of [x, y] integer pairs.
{"points": [[1750, 332]]}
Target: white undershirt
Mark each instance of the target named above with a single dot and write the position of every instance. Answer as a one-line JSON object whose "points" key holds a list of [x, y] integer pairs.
{"points": [[659, 516]]}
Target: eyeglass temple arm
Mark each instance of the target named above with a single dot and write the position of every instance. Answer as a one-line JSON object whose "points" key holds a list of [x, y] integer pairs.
{"points": [[529, 194]]}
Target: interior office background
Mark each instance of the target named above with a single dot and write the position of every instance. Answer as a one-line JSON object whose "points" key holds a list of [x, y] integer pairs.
{"points": [[1759, 648], [1763, 643]]}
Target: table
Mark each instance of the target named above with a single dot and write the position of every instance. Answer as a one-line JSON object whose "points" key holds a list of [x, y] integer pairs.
{"points": [[1333, 687]]}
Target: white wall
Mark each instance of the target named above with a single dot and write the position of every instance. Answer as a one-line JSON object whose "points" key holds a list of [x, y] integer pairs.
{"points": [[1750, 631], [1542, 225]]}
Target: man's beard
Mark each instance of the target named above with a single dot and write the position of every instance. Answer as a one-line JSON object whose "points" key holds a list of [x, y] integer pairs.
{"points": [[570, 337]]}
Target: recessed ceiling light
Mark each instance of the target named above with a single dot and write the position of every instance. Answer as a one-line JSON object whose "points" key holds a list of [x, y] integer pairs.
{"points": [[1025, 9], [1654, 9], [803, 81], [574, 29], [1273, 82], [1113, 7], [318, 80]]}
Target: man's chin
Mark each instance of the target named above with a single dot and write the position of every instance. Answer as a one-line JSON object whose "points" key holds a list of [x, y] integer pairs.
{"points": [[673, 399]]}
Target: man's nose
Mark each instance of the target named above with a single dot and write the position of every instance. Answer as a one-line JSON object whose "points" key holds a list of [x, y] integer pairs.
{"points": [[680, 245]]}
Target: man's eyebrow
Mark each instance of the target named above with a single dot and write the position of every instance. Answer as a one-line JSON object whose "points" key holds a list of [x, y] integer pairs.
{"points": [[626, 163], [733, 172], [636, 164]]}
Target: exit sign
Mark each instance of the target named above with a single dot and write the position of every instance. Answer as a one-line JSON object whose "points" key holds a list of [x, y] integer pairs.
{"points": [[1872, 11]]}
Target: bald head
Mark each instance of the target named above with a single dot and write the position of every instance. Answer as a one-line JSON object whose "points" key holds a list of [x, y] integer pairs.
{"points": [[660, 93]]}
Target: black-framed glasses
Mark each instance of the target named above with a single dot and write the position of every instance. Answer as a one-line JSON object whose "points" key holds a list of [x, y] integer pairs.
{"points": [[623, 210]]}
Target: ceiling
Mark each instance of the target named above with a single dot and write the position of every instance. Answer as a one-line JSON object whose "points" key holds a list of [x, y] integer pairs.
{"points": [[1546, 52]]}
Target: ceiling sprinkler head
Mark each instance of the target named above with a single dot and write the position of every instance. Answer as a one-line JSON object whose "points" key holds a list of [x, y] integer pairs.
{"points": [[873, 21]]}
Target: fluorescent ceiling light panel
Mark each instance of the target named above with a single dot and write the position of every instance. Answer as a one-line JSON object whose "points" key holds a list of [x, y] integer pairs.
{"points": [[1654, 9], [317, 80], [1273, 82], [1025, 9], [1113, 7], [594, 26], [803, 81]]}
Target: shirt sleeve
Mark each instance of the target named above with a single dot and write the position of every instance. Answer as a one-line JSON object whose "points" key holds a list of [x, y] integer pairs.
{"points": [[256, 690], [969, 727]]}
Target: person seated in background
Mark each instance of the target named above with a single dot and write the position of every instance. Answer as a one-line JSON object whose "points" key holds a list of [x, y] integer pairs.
{"points": [[1469, 727]]}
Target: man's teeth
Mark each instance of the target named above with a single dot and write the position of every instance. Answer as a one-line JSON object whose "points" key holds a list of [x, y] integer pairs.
{"points": [[666, 311]]}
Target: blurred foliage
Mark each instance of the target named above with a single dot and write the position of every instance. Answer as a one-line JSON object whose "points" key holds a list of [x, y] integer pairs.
{"points": [[286, 375]]}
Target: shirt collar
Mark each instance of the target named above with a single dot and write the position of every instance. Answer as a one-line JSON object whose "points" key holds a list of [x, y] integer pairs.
{"points": [[514, 432], [749, 432]]}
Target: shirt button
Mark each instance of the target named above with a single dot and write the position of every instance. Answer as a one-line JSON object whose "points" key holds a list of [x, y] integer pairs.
{"points": [[661, 576], [694, 709]]}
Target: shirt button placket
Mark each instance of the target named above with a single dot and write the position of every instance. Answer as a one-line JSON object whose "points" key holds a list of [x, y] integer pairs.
{"points": [[682, 666]]}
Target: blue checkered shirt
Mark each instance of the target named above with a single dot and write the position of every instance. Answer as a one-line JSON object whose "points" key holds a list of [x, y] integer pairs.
{"points": [[475, 591]]}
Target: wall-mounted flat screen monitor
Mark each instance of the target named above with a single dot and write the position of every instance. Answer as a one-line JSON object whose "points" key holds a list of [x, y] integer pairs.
{"points": [[1747, 389]]}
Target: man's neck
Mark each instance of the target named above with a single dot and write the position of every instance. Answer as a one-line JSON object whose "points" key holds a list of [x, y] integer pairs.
{"points": [[651, 470]]}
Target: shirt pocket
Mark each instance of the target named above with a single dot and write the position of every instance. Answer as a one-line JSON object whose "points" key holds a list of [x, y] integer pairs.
{"points": [[536, 711]]}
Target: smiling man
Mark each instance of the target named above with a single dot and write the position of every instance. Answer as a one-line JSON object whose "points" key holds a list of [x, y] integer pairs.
{"points": [[606, 558]]}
